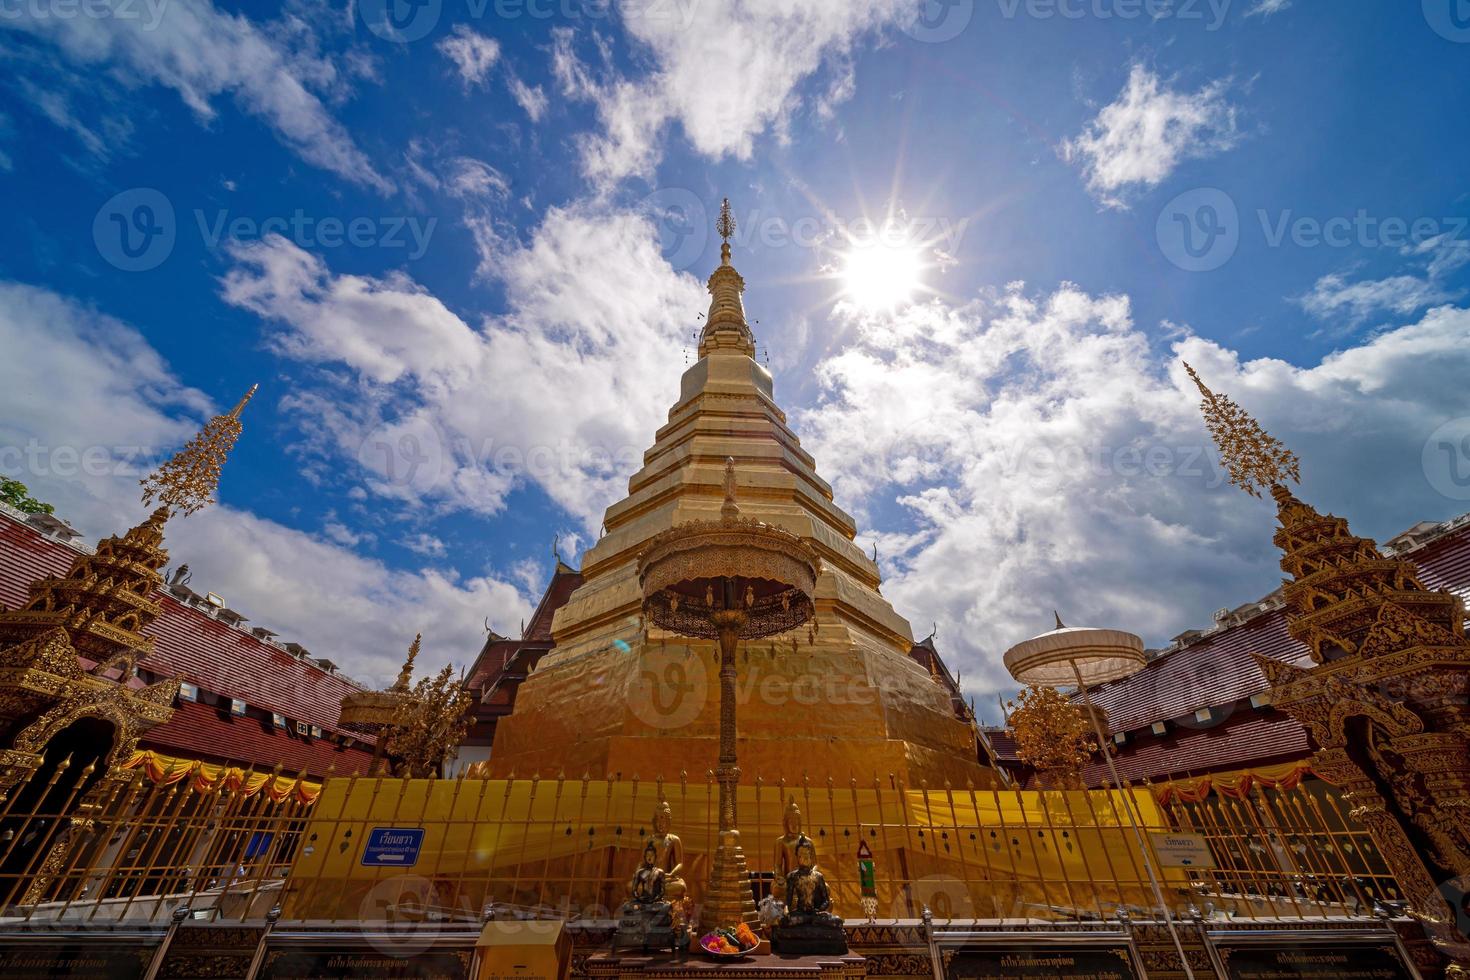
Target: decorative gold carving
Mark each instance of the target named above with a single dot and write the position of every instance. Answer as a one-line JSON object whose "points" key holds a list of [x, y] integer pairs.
{"points": [[1385, 702], [1053, 735], [189, 480], [1253, 458]]}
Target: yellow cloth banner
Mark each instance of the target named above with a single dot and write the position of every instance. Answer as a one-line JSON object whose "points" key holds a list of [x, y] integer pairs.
{"points": [[204, 777], [530, 842], [1237, 784]]}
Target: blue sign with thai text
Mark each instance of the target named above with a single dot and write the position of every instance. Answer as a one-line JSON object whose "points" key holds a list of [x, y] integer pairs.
{"points": [[396, 847]]}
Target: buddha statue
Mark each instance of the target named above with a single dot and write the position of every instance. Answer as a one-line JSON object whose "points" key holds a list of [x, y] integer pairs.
{"points": [[646, 918], [648, 886], [783, 859], [808, 927], [669, 850]]}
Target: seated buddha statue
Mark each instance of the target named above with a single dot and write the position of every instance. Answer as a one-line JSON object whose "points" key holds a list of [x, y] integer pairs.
{"points": [[646, 918], [808, 927], [670, 851], [783, 858]]}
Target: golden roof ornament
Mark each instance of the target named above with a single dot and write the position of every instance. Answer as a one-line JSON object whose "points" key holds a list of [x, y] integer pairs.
{"points": [[1254, 458], [188, 481], [407, 672]]}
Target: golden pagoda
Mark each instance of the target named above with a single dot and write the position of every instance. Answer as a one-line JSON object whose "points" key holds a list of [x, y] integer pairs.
{"points": [[838, 697]]}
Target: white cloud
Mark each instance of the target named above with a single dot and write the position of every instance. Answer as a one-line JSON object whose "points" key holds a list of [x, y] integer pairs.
{"points": [[1347, 303], [201, 52], [426, 544], [564, 390], [1265, 8], [531, 98], [761, 51], [472, 53], [105, 387], [1139, 139], [1045, 454]]}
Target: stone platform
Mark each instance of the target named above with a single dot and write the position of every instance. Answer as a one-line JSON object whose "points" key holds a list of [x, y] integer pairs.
{"points": [[697, 966]]}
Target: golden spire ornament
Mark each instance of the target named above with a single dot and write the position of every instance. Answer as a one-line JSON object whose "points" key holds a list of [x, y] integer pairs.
{"points": [[1254, 458], [189, 480], [406, 673]]}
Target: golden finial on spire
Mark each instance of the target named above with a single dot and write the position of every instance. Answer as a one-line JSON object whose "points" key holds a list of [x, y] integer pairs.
{"points": [[188, 481], [403, 675], [725, 226], [1252, 456]]}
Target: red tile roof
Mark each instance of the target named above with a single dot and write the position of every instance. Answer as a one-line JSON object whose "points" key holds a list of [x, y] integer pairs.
{"points": [[214, 656], [201, 731], [1249, 737]]}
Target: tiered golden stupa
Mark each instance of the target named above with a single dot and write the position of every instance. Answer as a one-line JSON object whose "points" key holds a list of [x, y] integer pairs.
{"points": [[838, 698]]}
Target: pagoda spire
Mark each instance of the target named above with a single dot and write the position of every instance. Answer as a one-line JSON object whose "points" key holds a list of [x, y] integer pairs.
{"points": [[1253, 457], [188, 481], [725, 326]]}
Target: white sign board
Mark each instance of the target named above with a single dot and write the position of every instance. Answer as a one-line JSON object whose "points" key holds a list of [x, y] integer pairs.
{"points": [[1183, 850]]}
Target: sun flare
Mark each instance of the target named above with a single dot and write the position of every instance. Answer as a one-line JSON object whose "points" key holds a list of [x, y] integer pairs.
{"points": [[881, 275]]}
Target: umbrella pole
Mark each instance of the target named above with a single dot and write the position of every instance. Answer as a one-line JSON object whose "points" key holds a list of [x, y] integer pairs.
{"points": [[1133, 819]]}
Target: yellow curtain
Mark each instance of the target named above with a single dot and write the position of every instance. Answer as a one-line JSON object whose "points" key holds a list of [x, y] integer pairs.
{"points": [[204, 777]]}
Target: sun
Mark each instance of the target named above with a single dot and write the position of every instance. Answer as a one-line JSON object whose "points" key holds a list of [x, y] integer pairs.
{"points": [[881, 275]]}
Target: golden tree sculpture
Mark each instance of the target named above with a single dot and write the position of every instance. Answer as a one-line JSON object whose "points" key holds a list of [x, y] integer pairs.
{"points": [[428, 725], [1053, 735], [1254, 458]]}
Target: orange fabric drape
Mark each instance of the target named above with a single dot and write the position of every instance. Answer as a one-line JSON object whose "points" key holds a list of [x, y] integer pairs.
{"points": [[205, 776], [1237, 784]]}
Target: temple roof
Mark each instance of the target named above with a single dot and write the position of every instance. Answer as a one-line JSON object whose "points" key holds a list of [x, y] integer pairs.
{"points": [[215, 656]]}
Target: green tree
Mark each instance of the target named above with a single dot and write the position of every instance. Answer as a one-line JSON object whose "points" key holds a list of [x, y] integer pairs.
{"points": [[18, 495]]}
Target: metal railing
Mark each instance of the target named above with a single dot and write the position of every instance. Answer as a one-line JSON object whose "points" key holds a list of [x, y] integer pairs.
{"points": [[126, 848]]}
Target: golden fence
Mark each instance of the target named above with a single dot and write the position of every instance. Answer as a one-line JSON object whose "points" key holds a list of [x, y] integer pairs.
{"points": [[134, 846]]}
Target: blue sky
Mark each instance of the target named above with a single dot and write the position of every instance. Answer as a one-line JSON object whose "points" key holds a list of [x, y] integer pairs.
{"points": [[463, 256]]}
